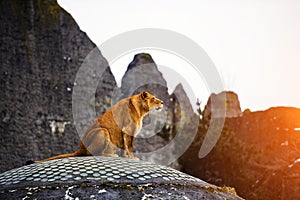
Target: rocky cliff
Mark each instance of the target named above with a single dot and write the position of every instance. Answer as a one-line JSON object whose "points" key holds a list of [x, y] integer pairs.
{"points": [[41, 51], [257, 153]]}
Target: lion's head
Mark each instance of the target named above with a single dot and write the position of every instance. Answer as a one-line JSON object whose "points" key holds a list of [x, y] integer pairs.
{"points": [[151, 102]]}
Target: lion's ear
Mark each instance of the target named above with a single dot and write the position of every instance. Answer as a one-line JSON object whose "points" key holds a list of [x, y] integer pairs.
{"points": [[144, 95]]}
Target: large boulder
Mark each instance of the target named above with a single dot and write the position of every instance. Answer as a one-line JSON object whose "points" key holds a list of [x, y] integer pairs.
{"points": [[105, 178]]}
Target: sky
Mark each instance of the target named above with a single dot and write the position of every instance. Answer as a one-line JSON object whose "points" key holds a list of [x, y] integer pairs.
{"points": [[254, 44]]}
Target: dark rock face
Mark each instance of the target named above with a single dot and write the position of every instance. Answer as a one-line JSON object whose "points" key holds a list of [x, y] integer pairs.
{"points": [[105, 178], [41, 51], [225, 104]]}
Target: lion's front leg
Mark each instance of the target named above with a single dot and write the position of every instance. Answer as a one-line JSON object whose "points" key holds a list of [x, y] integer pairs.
{"points": [[128, 147]]}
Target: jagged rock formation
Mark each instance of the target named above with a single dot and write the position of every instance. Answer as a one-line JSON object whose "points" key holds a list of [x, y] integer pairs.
{"points": [[41, 51], [225, 104], [105, 178]]}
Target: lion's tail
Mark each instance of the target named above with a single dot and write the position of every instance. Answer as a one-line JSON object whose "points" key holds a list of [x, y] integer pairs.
{"points": [[54, 158], [60, 156]]}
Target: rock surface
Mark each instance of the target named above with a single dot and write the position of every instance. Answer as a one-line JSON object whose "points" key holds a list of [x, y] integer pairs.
{"points": [[223, 105], [105, 178], [142, 74], [41, 51]]}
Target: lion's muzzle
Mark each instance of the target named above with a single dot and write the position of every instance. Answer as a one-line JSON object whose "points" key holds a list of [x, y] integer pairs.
{"points": [[160, 105]]}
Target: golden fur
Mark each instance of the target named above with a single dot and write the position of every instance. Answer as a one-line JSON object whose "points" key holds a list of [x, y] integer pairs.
{"points": [[116, 128]]}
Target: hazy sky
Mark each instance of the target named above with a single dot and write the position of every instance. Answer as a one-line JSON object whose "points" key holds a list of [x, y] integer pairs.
{"points": [[254, 44]]}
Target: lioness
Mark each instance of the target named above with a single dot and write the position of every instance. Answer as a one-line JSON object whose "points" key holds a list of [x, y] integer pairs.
{"points": [[116, 128]]}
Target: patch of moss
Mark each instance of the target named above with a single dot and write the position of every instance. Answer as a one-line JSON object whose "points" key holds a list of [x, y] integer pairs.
{"points": [[49, 13], [28, 48], [229, 190], [53, 10], [126, 187], [209, 188], [224, 189]]}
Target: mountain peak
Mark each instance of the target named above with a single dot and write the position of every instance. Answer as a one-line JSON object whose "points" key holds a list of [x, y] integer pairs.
{"points": [[141, 59], [143, 74]]}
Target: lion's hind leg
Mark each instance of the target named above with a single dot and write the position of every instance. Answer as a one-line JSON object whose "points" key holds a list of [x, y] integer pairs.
{"points": [[110, 149], [98, 142]]}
